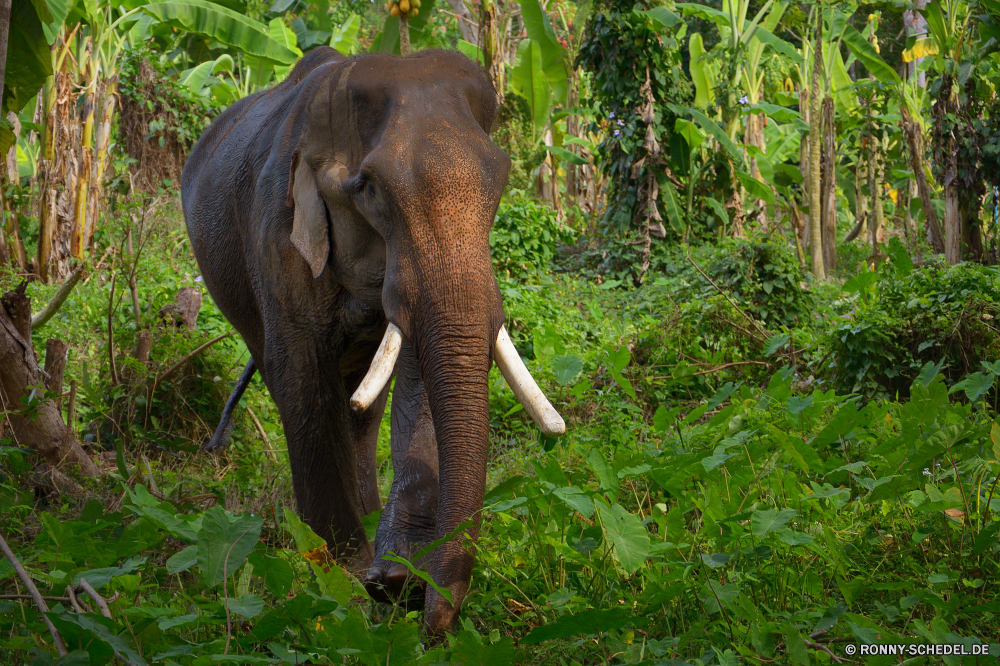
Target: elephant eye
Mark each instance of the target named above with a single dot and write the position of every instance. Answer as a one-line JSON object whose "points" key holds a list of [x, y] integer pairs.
{"points": [[365, 186]]}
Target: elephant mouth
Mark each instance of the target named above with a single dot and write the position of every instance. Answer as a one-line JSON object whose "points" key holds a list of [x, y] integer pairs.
{"points": [[507, 360]]}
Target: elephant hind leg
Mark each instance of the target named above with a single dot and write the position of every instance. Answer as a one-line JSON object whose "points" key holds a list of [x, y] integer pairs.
{"points": [[220, 440]]}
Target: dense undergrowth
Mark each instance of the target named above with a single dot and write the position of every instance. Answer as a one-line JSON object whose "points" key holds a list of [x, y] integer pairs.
{"points": [[757, 469]]}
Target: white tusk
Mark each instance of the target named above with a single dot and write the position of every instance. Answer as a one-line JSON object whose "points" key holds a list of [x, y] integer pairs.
{"points": [[523, 384], [380, 370]]}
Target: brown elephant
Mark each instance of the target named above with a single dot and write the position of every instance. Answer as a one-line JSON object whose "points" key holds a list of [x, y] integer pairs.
{"points": [[350, 204]]}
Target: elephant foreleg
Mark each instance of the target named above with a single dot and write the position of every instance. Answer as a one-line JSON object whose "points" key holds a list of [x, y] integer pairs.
{"points": [[313, 403], [220, 440]]}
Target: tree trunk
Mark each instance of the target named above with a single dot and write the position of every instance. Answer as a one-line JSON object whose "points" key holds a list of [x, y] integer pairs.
{"points": [[4, 32], [916, 26], [876, 220], [466, 26], [815, 132], [952, 221], [829, 186], [55, 367], [914, 140], [41, 427], [404, 35]]}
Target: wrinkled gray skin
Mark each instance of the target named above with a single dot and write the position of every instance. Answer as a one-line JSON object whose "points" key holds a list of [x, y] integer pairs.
{"points": [[361, 191]]}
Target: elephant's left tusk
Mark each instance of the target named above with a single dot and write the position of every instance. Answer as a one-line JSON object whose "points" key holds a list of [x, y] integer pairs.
{"points": [[525, 388], [380, 370]]}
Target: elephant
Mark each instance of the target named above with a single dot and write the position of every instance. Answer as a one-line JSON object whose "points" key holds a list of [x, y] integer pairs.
{"points": [[341, 223]]}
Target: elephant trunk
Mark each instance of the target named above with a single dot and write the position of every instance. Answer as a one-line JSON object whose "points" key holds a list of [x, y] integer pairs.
{"points": [[455, 359]]}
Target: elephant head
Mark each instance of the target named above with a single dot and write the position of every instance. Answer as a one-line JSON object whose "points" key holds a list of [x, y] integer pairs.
{"points": [[395, 184]]}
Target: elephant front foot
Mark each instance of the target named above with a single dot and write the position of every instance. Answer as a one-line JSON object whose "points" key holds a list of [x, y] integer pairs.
{"points": [[407, 525]]}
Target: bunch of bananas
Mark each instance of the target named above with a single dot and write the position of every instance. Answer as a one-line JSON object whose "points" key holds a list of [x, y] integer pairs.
{"points": [[399, 7]]}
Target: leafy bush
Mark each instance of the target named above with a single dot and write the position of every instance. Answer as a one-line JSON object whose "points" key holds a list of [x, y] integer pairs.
{"points": [[524, 237], [160, 119], [904, 319], [764, 277], [512, 131]]}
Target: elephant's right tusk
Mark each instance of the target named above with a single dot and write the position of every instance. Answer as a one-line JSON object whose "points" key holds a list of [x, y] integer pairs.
{"points": [[380, 370], [523, 384]]}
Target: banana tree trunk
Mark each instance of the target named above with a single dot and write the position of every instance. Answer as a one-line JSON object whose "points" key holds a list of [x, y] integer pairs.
{"points": [[876, 219], [829, 186], [914, 141], [815, 132], [101, 142]]}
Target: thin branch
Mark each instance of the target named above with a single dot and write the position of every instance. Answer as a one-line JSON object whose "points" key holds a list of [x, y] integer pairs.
{"points": [[98, 599], [42, 318], [111, 333], [18, 597], [73, 601], [177, 366], [35, 595], [728, 365], [726, 296]]}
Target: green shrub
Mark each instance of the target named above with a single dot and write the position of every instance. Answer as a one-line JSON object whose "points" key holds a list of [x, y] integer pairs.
{"points": [[513, 132], [524, 237], [939, 313], [763, 277]]}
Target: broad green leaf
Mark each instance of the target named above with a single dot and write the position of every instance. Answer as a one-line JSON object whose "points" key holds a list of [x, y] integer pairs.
{"points": [[626, 534], [576, 500], [716, 596], [345, 37], [929, 372], [687, 129], [98, 626], [566, 368], [553, 56], [305, 538], [661, 17], [566, 155], [74, 658], [796, 647], [98, 578], [868, 56], [770, 520], [701, 73], [249, 606], [717, 133], [937, 23], [755, 188], [29, 61], [719, 210], [778, 44], [586, 622], [605, 474], [663, 419], [672, 208], [975, 385], [182, 560], [470, 51], [224, 542], [275, 571], [780, 113], [528, 80], [860, 282], [715, 560]]}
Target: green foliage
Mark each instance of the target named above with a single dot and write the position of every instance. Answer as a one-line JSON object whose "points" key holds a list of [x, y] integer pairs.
{"points": [[513, 131], [524, 237], [764, 277], [176, 113], [621, 43], [901, 321]]}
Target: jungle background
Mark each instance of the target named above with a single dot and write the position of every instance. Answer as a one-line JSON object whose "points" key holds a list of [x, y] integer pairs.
{"points": [[748, 248]]}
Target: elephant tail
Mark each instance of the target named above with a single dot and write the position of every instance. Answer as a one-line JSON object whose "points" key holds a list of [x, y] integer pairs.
{"points": [[220, 439]]}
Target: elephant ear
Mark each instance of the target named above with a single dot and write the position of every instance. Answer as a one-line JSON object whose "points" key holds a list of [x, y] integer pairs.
{"points": [[310, 233]]}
